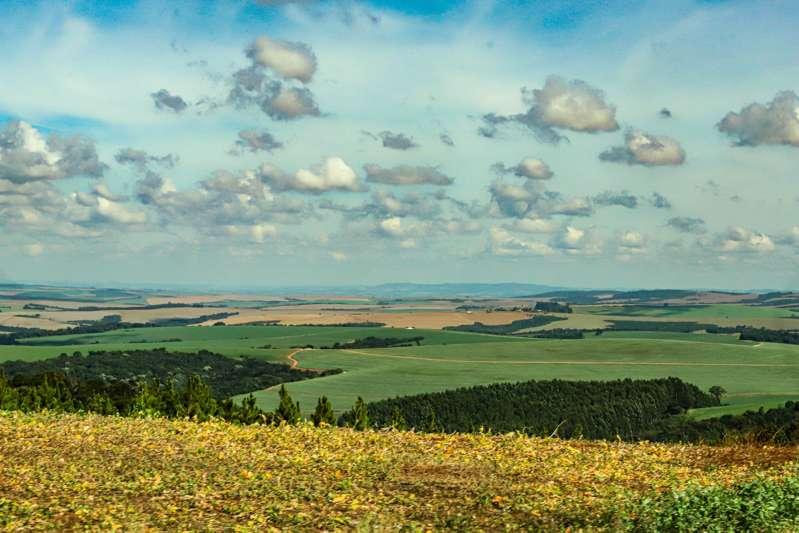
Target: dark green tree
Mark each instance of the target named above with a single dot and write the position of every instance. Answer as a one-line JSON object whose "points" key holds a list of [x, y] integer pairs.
{"points": [[397, 420], [288, 411], [717, 392], [198, 399], [360, 417], [323, 414]]}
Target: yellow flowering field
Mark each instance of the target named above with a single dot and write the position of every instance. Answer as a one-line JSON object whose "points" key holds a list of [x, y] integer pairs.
{"points": [[83, 472]]}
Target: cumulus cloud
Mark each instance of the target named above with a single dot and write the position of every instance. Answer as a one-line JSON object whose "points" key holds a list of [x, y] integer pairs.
{"points": [[631, 242], [289, 60], [645, 149], [166, 101], [532, 200], [622, 198], [402, 230], [257, 233], [255, 141], [571, 105], [116, 212], [225, 204], [529, 167], [502, 242], [687, 224], [776, 122], [391, 227], [406, 175], [25, 155], [386, 204], [333, 174], [790, 238], [255, 85], [739, 239], [290, 103], [534, 225], [141, 160], [576, 241], [396, 141]]}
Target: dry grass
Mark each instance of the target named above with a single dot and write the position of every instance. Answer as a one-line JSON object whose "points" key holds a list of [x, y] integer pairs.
{"points": [[399, 319], [60, 472]]}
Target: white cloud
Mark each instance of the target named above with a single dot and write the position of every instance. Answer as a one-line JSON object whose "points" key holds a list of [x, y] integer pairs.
{"points": [[574, 105], [288, 59], [632, 242], [777, 122], [119, 213], [534, 225], [502, 242], [739, 239], [646, 149], [333, 174], [406, 175]]}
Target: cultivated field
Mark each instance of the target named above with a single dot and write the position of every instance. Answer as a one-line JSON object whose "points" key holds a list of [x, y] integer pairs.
{"points": [[749, 372], [72, 472], [754, 374]]}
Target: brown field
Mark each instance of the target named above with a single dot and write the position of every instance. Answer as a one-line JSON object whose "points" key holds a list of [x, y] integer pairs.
{"points": [[399, 319]]}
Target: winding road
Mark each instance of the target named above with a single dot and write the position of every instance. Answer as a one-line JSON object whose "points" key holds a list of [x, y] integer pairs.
{"points": [[290, 357]]}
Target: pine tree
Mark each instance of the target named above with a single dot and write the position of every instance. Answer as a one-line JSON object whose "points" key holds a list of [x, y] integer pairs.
{"points": [[397, 420], [360, 418], [198, 399], [288, 411], [323, 414]]}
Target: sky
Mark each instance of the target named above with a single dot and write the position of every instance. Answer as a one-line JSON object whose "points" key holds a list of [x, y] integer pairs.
{"points": [[257, 143]]}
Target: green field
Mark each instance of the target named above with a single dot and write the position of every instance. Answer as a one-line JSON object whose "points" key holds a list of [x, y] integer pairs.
{"points": [[751, 373], [690, 312], [754, 374], [228, 340]]}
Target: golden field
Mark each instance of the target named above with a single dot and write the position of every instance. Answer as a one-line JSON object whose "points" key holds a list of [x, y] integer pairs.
{"points": [[82, 472]]}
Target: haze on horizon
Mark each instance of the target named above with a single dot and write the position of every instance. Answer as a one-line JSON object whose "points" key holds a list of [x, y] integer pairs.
{"points": [[278, 142]]}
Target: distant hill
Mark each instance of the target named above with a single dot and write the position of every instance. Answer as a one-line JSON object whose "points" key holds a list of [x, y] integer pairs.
{"points": [[502, 290], [428, 290]]}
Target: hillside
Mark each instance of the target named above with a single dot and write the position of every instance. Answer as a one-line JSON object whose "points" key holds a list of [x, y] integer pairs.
{"points": [[77, 472]]}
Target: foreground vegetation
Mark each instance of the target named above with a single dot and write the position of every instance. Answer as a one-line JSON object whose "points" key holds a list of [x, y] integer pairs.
{"points": [[60, 472]]}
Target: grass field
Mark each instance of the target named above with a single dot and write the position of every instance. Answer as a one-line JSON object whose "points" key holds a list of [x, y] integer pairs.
{"points": [[690, 312], [91, 473], [227, 340], [749, 372], [753, 374]]}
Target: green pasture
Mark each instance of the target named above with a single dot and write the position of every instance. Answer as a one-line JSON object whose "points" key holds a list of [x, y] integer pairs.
{"points": [[749, 372], [227, 340], [754, 374], [740, 403], [690, 312]]}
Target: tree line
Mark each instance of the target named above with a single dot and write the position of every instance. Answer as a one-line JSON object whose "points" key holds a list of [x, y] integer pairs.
{"points": [[226, 376], [506, 329], [11, 334], [591, 409]]}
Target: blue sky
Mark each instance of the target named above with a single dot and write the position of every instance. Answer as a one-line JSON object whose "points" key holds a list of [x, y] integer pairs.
{"points": [[594, 143]]}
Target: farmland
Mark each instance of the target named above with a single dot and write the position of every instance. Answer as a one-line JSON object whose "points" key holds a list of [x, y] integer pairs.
{"points": [[747, 371], [61, 472], [754, 374]]}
